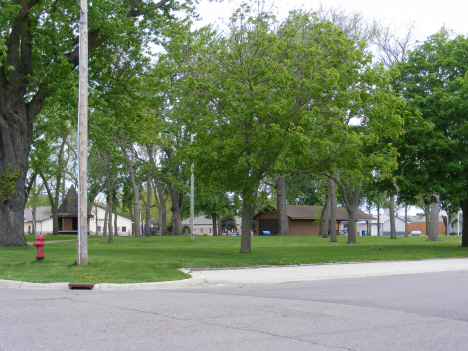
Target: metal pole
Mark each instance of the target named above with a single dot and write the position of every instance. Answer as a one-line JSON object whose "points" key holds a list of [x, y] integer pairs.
{"points": [[82, 258], [192, 183]]}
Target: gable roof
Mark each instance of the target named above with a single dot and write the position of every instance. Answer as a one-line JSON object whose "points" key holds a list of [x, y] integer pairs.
{"points": [[42, 213], [69, 206], [200, 220], [314, 212]]}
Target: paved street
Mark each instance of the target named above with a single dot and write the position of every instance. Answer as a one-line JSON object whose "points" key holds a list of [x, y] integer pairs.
{"points": [[413, 311]]}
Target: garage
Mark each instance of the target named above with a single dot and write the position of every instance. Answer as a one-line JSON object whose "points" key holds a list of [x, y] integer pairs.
{"points": [[270, 225]]}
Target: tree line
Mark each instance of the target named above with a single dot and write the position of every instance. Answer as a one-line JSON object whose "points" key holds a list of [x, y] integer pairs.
{"points": [[270, 102]]}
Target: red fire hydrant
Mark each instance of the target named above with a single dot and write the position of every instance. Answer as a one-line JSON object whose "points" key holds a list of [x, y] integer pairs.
{"points": [[39, 244]]}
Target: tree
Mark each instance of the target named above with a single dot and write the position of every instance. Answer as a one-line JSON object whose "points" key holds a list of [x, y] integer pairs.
{"points": [[433, 154], [266, 94], [38, 60]]}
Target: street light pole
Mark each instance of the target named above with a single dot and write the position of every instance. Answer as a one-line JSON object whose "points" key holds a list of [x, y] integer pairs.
{"points": [[82, 258], [192, 185]]}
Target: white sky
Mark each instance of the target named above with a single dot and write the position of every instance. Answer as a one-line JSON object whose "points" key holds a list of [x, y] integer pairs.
{"points": [[429, 15]]}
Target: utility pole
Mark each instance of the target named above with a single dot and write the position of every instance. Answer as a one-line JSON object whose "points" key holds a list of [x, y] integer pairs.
{"points": [[82, 258], [192, 182]]}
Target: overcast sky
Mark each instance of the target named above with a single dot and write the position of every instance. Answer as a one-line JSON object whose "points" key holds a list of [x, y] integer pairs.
{"points": [[429, 15]]}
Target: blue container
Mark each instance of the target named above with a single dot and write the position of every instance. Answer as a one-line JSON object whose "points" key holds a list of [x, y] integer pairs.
{"points": [[364, 233], [265, 232]]}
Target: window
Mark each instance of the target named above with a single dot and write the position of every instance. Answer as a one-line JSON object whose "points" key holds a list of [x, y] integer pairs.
{"points": [[210, 230], [99, 229], [201, 230], [124, 229]]}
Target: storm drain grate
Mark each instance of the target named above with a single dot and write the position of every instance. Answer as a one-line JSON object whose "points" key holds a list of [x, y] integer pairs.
{"points": [[80, 286]]}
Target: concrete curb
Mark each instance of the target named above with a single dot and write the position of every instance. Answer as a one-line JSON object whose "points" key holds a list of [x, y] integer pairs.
{"points": [[273, 274]]}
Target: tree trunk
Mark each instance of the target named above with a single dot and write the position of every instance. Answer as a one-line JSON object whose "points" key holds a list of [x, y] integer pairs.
{"points": [[464, 205], [322, 217], [53, 205], [136, 194], [213, 217], [378, 220], [406, 220], [332, 194], [96, 218], [110, 240], [434, 221], [16, 131], [148, 207], [352, 211], [162, 209], [34, 209], [283, 225], [116, 228], [248, 212], [326, 218], [220, 225], [176, 209], [351, 226], [427, 213], [130, 210], [104, 225], [391, 207]]}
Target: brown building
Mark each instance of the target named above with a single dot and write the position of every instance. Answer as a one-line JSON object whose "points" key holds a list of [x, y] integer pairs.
{"points": [[303, 220], [68, 213], [421, 226]]}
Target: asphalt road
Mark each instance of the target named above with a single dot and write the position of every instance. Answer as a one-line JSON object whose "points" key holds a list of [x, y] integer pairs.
{"points": [[423, 311]]}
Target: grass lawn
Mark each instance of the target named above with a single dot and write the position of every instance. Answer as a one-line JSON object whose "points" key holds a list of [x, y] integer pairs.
{"points": [[131, 260]]}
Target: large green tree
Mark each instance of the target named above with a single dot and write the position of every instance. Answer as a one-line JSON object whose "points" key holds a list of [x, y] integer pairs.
{"points": [[433, 153], [38, 59], [272, 97]]}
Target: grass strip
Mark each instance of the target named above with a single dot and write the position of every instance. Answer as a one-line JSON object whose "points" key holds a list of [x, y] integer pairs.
{"points": [[152, 259]]}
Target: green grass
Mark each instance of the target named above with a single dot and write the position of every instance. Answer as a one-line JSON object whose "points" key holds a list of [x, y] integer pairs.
{"points": [[131, 260]]}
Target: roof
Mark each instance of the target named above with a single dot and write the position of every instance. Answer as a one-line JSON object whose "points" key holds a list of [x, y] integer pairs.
{"points": [[314, 212], [200, 220], [42, 213], [69, 206]]}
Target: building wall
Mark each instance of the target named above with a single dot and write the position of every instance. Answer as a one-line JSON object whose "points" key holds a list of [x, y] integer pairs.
{"points": [[124, 224], [421, 226], [399, 226], [265, 215], [45, 226], [303, 227]]}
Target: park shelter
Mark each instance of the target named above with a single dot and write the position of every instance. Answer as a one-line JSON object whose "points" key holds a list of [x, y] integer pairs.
{"points": [[68, 213], [303, 220]]}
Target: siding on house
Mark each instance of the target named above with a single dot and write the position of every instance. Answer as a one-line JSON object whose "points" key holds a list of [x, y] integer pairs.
{"points": [[302, 220], [421, 226]]}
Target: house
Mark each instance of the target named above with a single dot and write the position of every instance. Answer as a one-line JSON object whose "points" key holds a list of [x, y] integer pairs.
{"points": [[68, 213], [418, 222], [204, 226], [373, 227], [303, 220], [456, 226], [96, 223], [68, 218], [44, 222]]}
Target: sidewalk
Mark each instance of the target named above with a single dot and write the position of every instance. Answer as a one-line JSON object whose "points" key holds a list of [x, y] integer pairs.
{"points": [[273, 275]]}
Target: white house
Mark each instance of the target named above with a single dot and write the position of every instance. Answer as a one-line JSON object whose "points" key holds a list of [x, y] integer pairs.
{"points": [[44, 223], [204, 226], [384, 225], [96, 224]]}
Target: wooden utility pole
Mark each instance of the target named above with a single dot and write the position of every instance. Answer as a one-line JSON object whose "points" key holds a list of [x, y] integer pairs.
{"points": [[192, 185], [82, 258]]}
